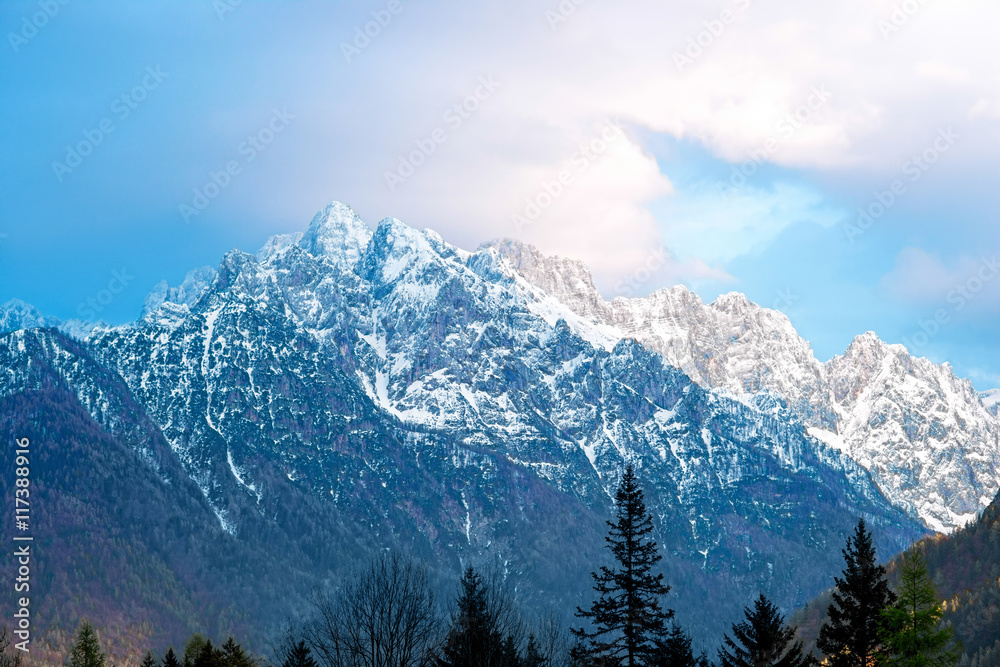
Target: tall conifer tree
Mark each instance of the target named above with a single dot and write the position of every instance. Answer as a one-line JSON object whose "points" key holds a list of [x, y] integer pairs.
{"points": [[849, 637], [86, 650], [476, 638], [628, 621], [299, 655], [170, 659], [762, 640], [912, 631]]}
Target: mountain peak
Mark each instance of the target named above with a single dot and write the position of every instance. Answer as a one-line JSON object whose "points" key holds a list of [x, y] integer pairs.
{"points": [[16, 314], [568, 280], [184, 296], [735, 303], [338, 233]]}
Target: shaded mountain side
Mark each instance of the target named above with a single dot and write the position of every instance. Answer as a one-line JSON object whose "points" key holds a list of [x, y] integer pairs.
{"points": [[347, 391], [965, 568], [449, 502]]}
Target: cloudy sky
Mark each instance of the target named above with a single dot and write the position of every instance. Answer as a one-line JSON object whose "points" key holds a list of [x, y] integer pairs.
{"points": [[837, 161]]}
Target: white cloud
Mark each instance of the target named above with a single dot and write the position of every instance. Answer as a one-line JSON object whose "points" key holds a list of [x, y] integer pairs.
{"points": [[967, 285], [888, 91]]}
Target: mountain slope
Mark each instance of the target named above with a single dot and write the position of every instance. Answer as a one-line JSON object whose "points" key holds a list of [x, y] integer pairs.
{"points": [[930, 442], [965, 568], [348, 390]]}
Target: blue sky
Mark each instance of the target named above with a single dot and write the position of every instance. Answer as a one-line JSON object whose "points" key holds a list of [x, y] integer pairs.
{"points": [[741, 137]]}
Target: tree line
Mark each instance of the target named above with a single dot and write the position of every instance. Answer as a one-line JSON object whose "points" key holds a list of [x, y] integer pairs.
{"points": [[388, 617]]}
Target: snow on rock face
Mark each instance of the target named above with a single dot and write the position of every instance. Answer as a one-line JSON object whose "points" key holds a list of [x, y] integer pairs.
{"points": [[991, 401], [442, 399], [172, 301], [338, 234], [16, 315], [931, 443], [924, 434]]}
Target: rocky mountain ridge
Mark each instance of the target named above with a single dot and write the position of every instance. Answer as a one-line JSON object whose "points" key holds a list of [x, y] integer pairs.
{"points": [[930, 441]]}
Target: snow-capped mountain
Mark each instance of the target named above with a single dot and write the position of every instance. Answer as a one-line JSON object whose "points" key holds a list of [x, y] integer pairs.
{"points": [[16, 314], [991, 400], [418, 396], [931, 443]]}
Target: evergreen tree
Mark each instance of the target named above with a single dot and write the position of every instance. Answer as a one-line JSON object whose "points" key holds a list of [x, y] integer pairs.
{"points": [[627, 618], [675, 650], [849, 637], [148, 660], [298, 656], [233, 655], [912, 630], [170, 659], [476, 638], [192, 649], [763, 640], [86, 650], [209, 656], [532, 655]]}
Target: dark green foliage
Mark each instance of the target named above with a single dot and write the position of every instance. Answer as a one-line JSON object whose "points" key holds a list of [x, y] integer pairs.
{"points": [[192, 648], [298, 655], [148, 660], [627, 617], [170, 659], [675, 650], [912, 631], [86, 650], [762, 640], [965, 569], [209, 656], [233, 655], [849, 637], [482, 633]]}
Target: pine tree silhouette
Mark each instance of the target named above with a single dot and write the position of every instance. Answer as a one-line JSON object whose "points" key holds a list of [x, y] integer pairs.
{"points": [[475, 638], [233, 655], [299, 656], [849, 637], [627, 618], [148, 660], [675, 650], [209, 656], [762, 640], [170, 659]]}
